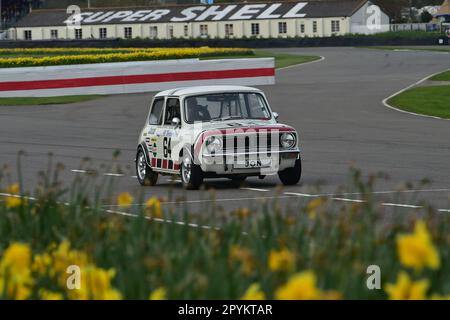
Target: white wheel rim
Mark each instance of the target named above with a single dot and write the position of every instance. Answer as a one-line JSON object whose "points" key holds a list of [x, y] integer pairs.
{"points": [[141, 166], [186, 170]]}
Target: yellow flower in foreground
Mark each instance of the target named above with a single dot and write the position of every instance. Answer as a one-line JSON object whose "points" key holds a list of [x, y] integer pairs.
{"points": [[49, 295], [17, 257], [158, 294], [13, 189], [42, 263], [282, 260], [153, 206], [416, 250], [124, 200], [96, 285], [406, 289], [313, 206], [301, 286], [14, 200], [254, 293], [15, 273], [440, 297], [244, 257]]}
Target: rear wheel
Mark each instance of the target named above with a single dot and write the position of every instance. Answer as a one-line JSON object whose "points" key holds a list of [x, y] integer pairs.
{"points": [[191, 174], [145, 175], [291, 176]]}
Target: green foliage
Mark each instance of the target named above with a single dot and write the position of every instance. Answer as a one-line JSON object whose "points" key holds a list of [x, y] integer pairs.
{"points": [[336, 240]]}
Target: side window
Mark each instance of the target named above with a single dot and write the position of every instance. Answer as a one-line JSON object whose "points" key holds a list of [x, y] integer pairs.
{"points": [[257, 106], [172, 110], [157, 112]]}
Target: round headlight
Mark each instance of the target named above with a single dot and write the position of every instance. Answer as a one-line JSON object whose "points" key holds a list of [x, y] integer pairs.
{"points": [[213, 144], [287, 140]]}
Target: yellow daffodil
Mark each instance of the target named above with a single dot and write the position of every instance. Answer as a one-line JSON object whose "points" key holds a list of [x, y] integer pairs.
{"points": [[124, 200], [331, 295], [244, 257], [42, 263], [243, 213], [440, 297], [301, 286], [254, 292], [313, 206], [406, 289], [153, 207], [158, 294], [17, 257], [13, 189], [96, 285], [416, 250], [282, 260], [49, 295], [90, 55], [15, 271], [14, 200]]}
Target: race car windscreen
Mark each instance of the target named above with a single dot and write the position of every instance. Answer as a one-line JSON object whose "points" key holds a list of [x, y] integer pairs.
{"points": [[225, 106]]}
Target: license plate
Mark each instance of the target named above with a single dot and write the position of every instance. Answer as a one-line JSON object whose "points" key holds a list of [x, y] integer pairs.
{"points": [[250, 164]]}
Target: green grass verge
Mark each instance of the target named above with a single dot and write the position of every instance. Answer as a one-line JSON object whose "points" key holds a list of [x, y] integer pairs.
{"points": [[46, 100], [444, 76], [432, 101], [282, 60]]}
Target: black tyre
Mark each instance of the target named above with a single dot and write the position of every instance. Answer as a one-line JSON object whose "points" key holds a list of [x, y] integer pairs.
{"points": [[145, 175], [191, 174], [291, 176], [239, 179]]}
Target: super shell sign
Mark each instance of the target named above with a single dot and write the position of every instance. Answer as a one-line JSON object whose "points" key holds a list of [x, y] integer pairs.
{"points": [[192, 14]]}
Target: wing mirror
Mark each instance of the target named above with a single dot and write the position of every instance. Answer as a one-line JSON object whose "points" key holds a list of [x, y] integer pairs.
{"points": [[275, 115], [176, 122]]}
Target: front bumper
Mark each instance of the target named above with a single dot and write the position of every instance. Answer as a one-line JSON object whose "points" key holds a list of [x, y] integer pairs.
{"points": [[226, 163]]}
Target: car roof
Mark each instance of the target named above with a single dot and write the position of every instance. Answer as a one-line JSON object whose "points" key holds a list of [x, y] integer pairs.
{"points": [[198, 90]]}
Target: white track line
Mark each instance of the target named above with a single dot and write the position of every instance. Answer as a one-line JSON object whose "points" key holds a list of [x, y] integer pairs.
{"points": [[302, 194], [420, 50], [348, 200], [114, 175], [126, 214], [79, 171], [386, 104], [302, 64], [255, 189], [387, 204], [181, 223], [360, 193]]}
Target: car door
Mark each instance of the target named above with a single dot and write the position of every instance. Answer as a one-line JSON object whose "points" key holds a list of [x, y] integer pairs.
{"points": [[155, 122], [170, 138]]}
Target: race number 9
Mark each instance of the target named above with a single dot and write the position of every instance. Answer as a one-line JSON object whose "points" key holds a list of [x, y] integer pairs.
{"points": [[166, 145]]}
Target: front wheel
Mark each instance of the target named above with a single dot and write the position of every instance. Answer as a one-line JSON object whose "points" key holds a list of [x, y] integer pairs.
{"points": [[191, 174], [291, 176], [145, 175]]}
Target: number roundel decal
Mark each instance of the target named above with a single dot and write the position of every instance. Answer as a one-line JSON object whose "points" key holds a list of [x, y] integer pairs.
{"points": [[167, 151]]}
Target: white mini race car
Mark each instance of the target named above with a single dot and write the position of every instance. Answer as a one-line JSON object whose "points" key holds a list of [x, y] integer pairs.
{"points": [[215, 132]]}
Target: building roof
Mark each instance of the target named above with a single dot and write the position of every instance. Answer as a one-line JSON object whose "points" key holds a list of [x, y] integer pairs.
{"points": [[199, 90], [196, 13], [444, 10]]}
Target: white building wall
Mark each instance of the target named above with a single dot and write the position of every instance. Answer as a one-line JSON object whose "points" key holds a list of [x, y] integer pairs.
{"points": [[268, 29]]}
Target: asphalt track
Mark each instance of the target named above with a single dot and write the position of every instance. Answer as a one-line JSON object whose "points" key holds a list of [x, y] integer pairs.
{"points": [[336, 105]]}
